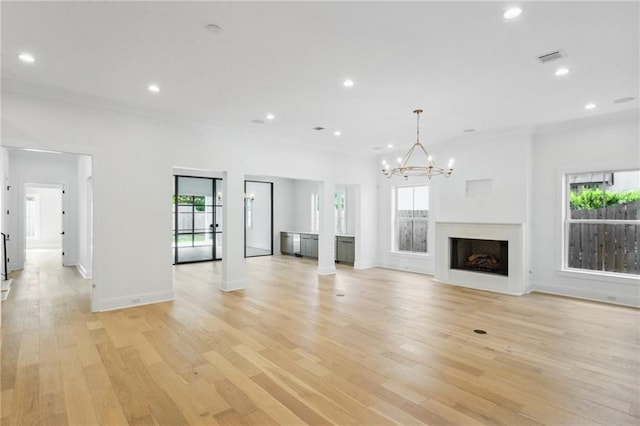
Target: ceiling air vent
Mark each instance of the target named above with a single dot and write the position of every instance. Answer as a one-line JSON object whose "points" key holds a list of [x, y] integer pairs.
{"points": [[551, 56]]}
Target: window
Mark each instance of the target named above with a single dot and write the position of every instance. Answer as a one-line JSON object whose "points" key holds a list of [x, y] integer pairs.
{"points": [[411, 218], [32, 210], [340, 220], [602, 223], [315, 212], [340, 217]]}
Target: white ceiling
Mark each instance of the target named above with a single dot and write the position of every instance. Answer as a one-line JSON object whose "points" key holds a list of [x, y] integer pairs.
{"points": [[461, 62]]}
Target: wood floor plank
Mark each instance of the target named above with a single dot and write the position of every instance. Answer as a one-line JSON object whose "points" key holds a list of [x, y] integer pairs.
{"points": [[397, 348], [256, 394]]}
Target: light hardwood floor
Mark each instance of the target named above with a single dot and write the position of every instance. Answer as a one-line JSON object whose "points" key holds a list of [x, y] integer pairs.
{"points": [[396, 348]]}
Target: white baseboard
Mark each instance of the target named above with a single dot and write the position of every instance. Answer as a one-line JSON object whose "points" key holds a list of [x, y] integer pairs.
{"points": [[83, 271], [588, 294], [134, 300], [366, 264], [481, 288], [232, 285], [70, 261], [409, 268], [328, 270]]}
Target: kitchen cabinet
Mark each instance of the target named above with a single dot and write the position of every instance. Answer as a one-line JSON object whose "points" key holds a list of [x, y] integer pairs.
{"points": [[309, 245], [286, 243], [345, 250], [305, 244]]}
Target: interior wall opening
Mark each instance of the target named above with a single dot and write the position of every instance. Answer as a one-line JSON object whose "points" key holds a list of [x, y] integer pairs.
{"points": [[43, 218]]}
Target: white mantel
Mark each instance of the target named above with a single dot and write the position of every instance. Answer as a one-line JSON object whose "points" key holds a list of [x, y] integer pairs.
{"points": [[514, 283]]}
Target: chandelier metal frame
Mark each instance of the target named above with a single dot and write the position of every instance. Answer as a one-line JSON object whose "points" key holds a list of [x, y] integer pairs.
{"points": [[429, 169]]}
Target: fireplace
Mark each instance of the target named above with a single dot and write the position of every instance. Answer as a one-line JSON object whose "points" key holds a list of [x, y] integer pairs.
{"points": [[478, 255], [505, 243]]}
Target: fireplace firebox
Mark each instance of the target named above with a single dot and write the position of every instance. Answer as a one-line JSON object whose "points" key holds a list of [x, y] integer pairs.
{"points": [[489, 256]]}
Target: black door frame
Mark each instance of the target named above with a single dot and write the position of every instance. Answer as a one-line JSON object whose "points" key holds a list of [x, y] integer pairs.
{"points": [[245, 217], [213, 230]]}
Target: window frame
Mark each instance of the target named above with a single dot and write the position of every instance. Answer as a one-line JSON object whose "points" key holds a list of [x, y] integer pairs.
{"points": [[567, 221], [395, 219]]}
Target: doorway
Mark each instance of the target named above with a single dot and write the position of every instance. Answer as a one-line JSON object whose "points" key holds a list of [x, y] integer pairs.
{"points": [[258, 218], [197, 219], [44, 228]]}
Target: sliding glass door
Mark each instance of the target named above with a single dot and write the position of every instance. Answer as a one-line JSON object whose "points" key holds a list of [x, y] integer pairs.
{"points": [[197, 214]]}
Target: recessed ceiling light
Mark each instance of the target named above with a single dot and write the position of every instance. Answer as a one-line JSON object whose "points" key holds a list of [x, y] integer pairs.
{"points": [[270, 116], [390, 145], [562, 71], [337, 133], [27, 57], [512, 12], [623, 100], [154, 88], [590, 106], [347, 83]]}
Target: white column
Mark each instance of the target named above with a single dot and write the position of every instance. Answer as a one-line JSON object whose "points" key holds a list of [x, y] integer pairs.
{"points": [[233, 268], [326, 233]]}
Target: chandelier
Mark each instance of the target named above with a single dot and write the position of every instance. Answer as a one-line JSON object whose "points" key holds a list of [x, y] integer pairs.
{"points": [[427, 167]]}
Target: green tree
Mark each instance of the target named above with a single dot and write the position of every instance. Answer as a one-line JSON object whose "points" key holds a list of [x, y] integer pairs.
{"points": [[592, 199]]}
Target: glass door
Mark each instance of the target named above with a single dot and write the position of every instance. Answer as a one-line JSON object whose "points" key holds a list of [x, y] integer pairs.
{"points": [[217, 220], [194, 219]]}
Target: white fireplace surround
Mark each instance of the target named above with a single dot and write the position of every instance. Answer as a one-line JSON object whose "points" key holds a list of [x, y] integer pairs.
{"points": [[514, 283]]}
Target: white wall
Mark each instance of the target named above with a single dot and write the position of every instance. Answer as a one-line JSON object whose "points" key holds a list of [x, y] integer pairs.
{"points": [[4, 176], [85, 216], [522, 174], [302, 190], [259, 234], [27, 167], [602, 143], [490, 184], [133, 160], [50, 218]]}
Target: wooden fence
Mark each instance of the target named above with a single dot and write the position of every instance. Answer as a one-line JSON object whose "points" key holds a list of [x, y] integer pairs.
{"points": [[606, 247]]}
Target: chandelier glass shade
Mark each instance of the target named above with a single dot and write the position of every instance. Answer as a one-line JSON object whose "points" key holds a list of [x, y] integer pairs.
{"points": [[417, 161]]}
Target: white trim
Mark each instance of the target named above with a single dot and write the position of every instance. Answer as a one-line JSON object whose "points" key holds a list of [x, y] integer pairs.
{"points": [[128, 301], [410, 253], [330, 270], [612, 277], [365, 264], [480, 286], [566, 220], [581, 293], [516, 283], [85, 274], [232, 285]]}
